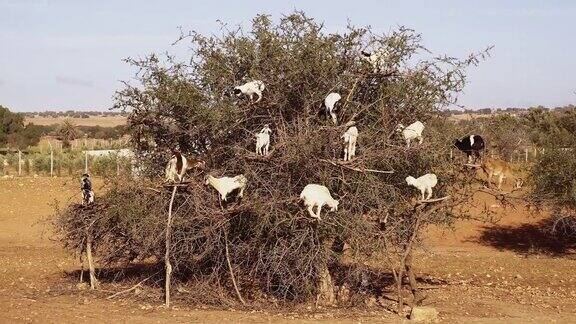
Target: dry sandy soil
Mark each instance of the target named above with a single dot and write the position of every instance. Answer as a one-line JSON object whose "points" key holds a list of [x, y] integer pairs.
{"points": [[109, 121], [504, 273]]}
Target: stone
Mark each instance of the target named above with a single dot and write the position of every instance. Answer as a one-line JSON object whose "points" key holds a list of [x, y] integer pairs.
{"points": [[370, 301], [424, 314], [82, 286], [343, 296]]}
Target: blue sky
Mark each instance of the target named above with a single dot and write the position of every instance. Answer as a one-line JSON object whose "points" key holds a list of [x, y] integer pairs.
{"points": [[67, 54]]}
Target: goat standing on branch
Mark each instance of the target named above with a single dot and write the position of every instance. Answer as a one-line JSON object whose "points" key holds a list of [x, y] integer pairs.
{"points": [[263, 141], [350, 137], [226, 185], [329, 106], [471, 145], [425, 184], [413, 131], [377, 59], [179, 164], [318, 195], [250, 89], [87, 193]]}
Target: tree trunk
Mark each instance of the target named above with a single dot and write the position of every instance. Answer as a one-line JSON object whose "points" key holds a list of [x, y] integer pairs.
{"points": [[412, 279], [325, 288], [93, 280], [168, 266]]}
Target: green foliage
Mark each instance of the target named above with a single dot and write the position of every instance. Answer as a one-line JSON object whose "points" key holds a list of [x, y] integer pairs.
{"points": [[14, 134], [551, 128], [554, 178]]}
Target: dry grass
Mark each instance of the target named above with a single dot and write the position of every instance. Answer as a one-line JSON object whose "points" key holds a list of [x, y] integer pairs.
{"points": [[109, 121]]}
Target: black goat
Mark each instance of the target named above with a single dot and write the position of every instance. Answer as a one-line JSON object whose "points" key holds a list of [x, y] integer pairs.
{"points": [[471, 145]]}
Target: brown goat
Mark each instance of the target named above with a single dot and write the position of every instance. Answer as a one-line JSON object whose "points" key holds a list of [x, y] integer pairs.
{"points": [[501, 169]]}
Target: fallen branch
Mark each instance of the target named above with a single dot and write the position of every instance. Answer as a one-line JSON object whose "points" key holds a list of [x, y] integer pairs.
{"points": [[129, 289], [428, 201], [473, 165], [177, 184], [495, 192], [355, 168]]}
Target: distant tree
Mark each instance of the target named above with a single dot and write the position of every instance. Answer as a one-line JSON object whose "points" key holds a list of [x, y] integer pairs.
{"points": [[68, 132], [10, 123]]}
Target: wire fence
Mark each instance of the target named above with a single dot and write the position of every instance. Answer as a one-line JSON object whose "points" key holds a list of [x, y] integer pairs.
{"points": [[104, 163]]}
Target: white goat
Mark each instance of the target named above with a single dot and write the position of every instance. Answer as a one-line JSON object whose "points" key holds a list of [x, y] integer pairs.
{"points": [[318, 195], [350, 137], [413, 131], [425, 184], [377, 59], [263, 140], [250, 89], [226, 185], [330, 104]]}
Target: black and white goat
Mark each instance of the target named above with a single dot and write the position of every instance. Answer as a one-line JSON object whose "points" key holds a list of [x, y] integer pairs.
{"points": [[250, 89], [179, 164], [263, 140], [329, 105], [86, 187], [471, 145]]}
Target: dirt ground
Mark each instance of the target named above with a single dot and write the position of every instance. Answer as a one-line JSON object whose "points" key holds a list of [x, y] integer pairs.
{"points": [[509, 272]]}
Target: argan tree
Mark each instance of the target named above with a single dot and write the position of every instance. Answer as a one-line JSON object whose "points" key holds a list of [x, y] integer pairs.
{"points": [[268, 237]]}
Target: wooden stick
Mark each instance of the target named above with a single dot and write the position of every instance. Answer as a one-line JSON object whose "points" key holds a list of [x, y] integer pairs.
{"points": [[230, 268], [93, 279], [427, 201], [155, 190], [355, 168], [167, 264], [177, 184], [129, 289]]}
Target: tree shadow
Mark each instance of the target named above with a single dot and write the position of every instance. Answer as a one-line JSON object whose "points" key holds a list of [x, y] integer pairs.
{"points": [[128, 273], [527, 239]]}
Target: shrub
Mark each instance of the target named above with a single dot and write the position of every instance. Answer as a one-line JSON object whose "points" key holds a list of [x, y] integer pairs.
{"points": [[554, 186]]}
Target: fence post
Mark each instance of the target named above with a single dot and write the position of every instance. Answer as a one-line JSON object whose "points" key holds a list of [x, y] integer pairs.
{"points": [[85, 161], [51, 160], [19, 163]]}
